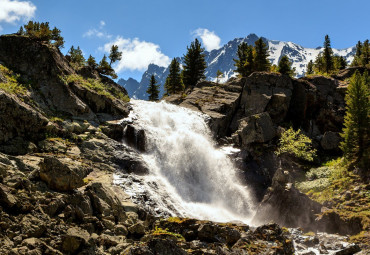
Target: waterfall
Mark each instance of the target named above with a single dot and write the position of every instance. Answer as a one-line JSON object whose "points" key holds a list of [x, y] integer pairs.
{"points": [[189, 176]]}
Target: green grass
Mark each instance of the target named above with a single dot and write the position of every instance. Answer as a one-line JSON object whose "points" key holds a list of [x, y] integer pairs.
{"points": [[97, 86], [12, 86]]}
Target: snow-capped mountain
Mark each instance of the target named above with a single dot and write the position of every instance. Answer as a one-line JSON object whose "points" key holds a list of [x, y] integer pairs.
{"points": [[222, 59]]}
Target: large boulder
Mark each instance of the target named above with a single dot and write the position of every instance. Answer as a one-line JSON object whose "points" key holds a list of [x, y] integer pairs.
{"points": [[257, 128], [260, 88], [218, 101], [63, 174]]}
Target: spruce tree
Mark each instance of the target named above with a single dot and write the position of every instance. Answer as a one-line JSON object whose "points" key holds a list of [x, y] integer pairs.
{"points": [[356, 132], [285, 66], [328, 55], [261, 62], [194, 64], [174, 83], [114, 55], [309, 68], [153, 89]]}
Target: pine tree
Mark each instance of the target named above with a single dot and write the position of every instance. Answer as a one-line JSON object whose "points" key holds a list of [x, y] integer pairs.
{"points": [[174, 83], [76, 57], [219, 75], [92, 62], [365, 54], [114, 55], [356, 132], [309, 68], [21, 31], [194, 64], [245, 62], [41, 31], [261, 63], [153, 89], [105, 69], [357, 59], [328, 55], [285, 66], [57, 38], [319, 65]]}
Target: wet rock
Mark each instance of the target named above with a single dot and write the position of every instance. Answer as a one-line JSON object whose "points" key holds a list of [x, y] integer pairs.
{"points": [[63, 174], [135, 138], [349, 250], [287, 206], [113, 129]]}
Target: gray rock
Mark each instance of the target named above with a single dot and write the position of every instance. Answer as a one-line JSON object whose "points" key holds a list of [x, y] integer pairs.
{"points": [[74, 239], [256, 128]]}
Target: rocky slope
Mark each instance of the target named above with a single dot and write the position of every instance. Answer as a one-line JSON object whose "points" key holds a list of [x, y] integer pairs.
{"points": [[61, 142], [222, 59]]}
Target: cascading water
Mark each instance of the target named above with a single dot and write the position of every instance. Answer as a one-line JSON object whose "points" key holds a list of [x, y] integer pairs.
{"points": [[188, 177]]}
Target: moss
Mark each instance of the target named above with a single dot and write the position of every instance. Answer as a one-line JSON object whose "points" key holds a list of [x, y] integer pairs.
{"points": [[97, 86], [164, 232], [176, 220]]}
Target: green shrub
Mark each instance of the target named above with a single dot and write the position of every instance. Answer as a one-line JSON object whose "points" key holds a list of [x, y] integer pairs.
{"points": [[297, 144]]}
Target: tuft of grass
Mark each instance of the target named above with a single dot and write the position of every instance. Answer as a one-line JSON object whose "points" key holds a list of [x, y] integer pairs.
{"points": [[97, 86], [12, 86], [164, 232]]}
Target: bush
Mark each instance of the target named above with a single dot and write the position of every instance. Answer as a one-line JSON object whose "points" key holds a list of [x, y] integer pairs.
{"points": [[297, 144]]}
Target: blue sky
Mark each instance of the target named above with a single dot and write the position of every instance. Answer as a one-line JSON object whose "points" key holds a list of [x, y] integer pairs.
{"points": [[158, 30]]}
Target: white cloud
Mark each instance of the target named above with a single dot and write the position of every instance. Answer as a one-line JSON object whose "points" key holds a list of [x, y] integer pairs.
{"points": [[137, 55], [12, 11], [97, 32], [210, 40]]}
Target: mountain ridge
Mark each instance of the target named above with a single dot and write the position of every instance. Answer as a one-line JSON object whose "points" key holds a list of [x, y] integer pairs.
{"points": [[222, 59]]}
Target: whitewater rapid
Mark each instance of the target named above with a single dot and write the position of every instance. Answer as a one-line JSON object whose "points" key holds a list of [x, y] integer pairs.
{"points": [[189, 176]]}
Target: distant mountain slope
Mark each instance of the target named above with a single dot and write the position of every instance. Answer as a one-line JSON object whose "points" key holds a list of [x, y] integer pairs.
{"points": [[222, 59]]}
